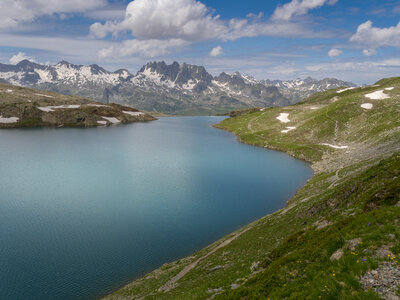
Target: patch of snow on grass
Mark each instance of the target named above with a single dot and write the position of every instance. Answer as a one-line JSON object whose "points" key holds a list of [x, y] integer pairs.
{"points": [[288, 129], [96, 105], [8, 120], [314, 108], [46, 108], [283, 117], [102, 122], [346, 89], [378, 95], [334, 146], [133, 113], [112, 120], [367, 105], [9, 91], [47, 96], [389, 88], [52, 108]]}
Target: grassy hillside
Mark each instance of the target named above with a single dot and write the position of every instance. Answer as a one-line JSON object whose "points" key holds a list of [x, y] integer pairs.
{"points": [[338, 238], [24, 107]]}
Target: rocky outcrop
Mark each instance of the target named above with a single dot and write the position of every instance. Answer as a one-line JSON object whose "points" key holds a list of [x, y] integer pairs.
{"points": [[23, 107]]}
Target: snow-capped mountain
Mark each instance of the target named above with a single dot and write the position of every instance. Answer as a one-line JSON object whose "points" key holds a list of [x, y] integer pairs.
{"points": [[174, 88], [303, 88]]}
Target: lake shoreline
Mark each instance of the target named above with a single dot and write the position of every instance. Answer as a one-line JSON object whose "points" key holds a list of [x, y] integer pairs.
{"points": [[226, 239], [351, 155], [310, 163], [70, 176]]}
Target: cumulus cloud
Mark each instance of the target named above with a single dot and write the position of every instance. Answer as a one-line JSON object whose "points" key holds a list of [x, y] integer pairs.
{"points": [[15, 12], [298, 8], [374, 37], [149, 48], [20, 56], [334, 52], [217, 51], [165, 19], [190, 21]]}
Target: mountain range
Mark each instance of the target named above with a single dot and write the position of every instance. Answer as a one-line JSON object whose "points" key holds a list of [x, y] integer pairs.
{"points": [[159, 87]]}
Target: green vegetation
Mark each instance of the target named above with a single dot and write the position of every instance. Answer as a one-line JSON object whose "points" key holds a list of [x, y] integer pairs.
{"points": [[344, 223], [23, 107]]}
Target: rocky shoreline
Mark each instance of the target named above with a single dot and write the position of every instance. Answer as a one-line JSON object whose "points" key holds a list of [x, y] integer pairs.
{"points": [[23, 107]]}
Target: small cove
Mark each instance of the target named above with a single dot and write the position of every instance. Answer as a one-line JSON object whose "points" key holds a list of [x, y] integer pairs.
{"points": [[84, 211]]}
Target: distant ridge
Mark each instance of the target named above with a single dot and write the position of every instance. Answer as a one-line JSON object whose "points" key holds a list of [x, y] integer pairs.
{"points": [[159, 87]]}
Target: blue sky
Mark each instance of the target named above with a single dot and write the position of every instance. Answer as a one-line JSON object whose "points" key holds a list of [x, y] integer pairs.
{"points": [[352, 40]]}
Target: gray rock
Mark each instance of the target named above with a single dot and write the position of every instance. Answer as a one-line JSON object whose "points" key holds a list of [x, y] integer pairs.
{"points": [[337, 255], [174, 88], [214, 269], [385, 280]]}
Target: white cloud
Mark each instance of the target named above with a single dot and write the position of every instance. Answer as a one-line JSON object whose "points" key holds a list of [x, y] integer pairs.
{"points": [[298, 8], [15, 12], [20, 56], [145, 48], [334, 52], [56, 47], [239, 28], [375, 37], [217, 51], [369, 52], [189, 21]]}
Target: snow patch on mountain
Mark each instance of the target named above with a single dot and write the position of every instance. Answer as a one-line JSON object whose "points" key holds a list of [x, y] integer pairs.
{"points": [[164, 86]]}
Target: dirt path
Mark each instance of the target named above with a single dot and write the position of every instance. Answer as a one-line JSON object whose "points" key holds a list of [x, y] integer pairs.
{"points": [[172, 283]]}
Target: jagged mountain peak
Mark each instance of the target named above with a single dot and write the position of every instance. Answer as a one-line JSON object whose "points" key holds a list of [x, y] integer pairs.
{"points": [[164, 87], [25, 62], [124, 73], [120, 71], [237, 73], [175, 74], [96, 69], [63, 62], [27, 65], [66, 64]]}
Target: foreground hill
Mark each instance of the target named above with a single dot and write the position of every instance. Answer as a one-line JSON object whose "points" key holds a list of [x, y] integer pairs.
{"points": [[337, 238], [24, 107], [159, 87]]}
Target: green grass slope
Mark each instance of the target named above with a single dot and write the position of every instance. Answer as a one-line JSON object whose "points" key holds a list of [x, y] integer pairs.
{"points": [[338, 238], [24, 107]]}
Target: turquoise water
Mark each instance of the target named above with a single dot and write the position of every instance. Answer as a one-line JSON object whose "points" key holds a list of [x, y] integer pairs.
{"points": [[84, 211]]}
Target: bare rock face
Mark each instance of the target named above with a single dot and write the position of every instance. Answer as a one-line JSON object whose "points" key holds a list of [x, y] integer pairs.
{"points": [[337, 255], [385, 280], [160, 87]]}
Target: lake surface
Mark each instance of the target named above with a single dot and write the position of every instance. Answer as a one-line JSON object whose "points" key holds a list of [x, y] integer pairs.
{"points": [[84, 211]]}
